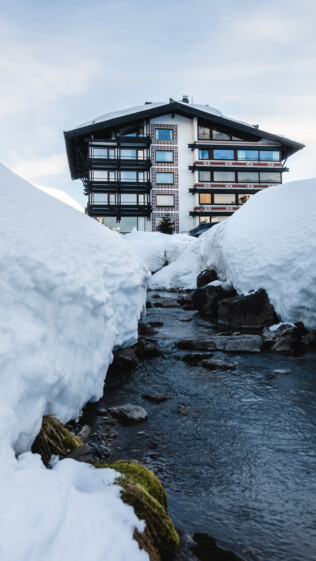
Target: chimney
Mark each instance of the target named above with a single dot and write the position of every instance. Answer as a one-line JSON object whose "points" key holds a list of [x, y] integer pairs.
{"points": [[148, 102], [185, 99]]}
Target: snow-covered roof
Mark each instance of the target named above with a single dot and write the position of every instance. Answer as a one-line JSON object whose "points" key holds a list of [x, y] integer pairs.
{"points": [[146, 107]]}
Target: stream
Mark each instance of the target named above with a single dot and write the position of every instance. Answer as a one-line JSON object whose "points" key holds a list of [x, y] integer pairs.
{"points": [[241, 465]]}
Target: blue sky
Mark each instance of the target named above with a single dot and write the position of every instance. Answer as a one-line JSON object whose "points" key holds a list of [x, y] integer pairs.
{"points": [[63, 63]]}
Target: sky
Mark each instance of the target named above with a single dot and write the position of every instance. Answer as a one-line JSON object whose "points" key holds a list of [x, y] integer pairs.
{"points": [[63, 63]]}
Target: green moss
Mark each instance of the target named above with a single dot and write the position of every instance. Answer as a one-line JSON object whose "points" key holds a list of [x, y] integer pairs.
{"points": [[144, 477], [54, 438], [142, 490], [160, 537]]}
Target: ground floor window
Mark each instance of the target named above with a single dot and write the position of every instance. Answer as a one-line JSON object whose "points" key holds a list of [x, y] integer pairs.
{"points": [[127, 223], [208, 219]]}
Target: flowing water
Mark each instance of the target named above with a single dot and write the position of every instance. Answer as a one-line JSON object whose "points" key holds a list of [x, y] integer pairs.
{"points": [[241, 465]]}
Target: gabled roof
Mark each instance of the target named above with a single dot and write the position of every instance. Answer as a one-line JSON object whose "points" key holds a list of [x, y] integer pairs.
{"points": [[152, 110]]}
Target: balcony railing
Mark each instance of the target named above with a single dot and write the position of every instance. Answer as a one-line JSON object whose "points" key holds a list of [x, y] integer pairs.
{"points": [[119, 210]]}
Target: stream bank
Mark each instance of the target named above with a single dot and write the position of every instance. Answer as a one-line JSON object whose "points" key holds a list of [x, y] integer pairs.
{"points": [[234, 449]]}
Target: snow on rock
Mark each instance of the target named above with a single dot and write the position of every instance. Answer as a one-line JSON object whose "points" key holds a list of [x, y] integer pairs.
{"points": [[61, 196], [70, 291], [157, 249], [270, 243]]}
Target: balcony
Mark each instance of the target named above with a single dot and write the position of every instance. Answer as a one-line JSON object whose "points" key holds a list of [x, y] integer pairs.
{"points": [[119, 163], [119, 210], [118, 186]]}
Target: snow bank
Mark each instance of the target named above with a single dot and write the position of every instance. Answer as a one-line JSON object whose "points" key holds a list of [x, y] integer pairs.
{"points": [[270, 243], [61, 196], [70, 290], [157, 249]]}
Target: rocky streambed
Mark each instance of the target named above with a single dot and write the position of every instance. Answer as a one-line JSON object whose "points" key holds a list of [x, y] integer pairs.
{"points": [[226, 424]]}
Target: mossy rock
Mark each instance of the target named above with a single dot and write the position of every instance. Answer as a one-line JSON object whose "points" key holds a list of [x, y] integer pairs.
{"points": [[160, 537], [144, 477], [54, 438], [142, 490]]}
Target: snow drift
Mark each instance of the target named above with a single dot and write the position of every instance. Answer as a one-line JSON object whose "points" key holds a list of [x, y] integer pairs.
{"points": [[158, 249], [70, 291], [269, 243]]}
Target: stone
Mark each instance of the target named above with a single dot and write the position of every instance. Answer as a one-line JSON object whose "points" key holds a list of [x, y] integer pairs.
{"points": [[206, 549], [251, 311], [101, 412], [195, 358], [84, 433], [183, 410], [229, 343], [125, 360], [218, 365], [206, 299], [205, 277], [282, 371], [309, 339], [288, 337], [167, 303], [156, 398], [146, 329], [156, 323], [81, 454], [112, 434], [129, 412], [148, 304], [147, 349]]}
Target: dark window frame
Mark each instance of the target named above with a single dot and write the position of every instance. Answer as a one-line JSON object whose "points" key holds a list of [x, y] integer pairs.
{"points": [[165, 195], [163, 182]]}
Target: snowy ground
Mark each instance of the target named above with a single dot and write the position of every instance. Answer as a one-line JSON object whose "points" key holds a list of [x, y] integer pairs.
{"points": [[269, 243], [70, 291]]}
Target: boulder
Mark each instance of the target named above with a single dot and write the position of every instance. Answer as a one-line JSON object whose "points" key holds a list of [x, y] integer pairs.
{"points": [[125, 360], [81, 454], [251, 311], [207, 276], [147, 349], [129, 412], [287, 337], [206, 299], [146, 329], [183, 410]]}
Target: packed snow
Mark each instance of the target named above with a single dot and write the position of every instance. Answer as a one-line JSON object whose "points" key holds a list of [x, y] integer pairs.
{"points": [[61, 196], [70, 291], [270, 243]]}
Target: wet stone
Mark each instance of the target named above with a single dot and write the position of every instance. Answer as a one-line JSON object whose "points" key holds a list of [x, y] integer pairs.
{"points": [[145, 329], [218, 365], [167, 303], [183, 410], [147, 349], [282, 371], [129, 413], [194, 358], [156, 398], [156, 323]]}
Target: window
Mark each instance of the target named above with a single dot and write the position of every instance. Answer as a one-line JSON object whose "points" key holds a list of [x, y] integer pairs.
{"points": [[224, 176], [218, 135], [269, 156], [270, 177], [203, 155], [103, 175], [127, 223], [248, 177], [98, 198], [129, 176], [164, 178], [204, 133], [243, 198], [224, 199], [204, 176], [218, 218], [205, 220], [165, 200], [112, 199], [128, 154], [205, 198], [164, 134], [129, 199], [248, 155], [141, 199], [223, 154], [103, 152], [164, 155]]}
